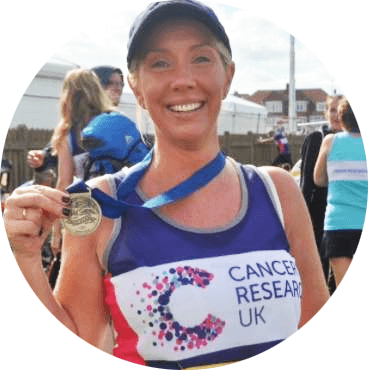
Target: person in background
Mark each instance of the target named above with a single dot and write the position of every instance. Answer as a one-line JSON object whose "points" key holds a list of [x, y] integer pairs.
{"points": [[341, 167], [5, 177], [314, 195], [208, 242], [280, 139], [111, 79], [44, 178], [41, 159], [82, 99]]}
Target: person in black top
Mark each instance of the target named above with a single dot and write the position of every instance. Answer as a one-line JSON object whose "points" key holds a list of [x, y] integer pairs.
{"points": [[315, 197]]}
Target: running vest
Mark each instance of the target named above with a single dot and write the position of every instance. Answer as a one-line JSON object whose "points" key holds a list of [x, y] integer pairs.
{"points": [[347, 183], [182, 297], [282, 141]]}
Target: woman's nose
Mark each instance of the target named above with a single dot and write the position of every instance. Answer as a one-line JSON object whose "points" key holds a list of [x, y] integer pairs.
{"points": [[183, 78]]}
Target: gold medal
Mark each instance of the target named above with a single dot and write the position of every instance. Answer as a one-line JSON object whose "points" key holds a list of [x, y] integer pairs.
{"points": [[86, 214]]}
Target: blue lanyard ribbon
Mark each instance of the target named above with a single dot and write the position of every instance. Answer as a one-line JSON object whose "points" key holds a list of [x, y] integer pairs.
{"points": [[113, 208]]}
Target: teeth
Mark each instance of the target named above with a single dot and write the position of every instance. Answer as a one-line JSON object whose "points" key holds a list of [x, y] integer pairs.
{"points": [[186, 107]]}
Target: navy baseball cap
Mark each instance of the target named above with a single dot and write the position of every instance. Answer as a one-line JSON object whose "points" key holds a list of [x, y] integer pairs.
{"points": [[162, 10]]}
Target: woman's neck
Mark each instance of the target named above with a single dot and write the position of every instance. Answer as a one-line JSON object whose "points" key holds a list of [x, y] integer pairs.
{"points": [[173, 164]]}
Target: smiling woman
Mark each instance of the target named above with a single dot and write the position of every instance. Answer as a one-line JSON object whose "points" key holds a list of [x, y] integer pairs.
{"points": [[181, 222], [181, 80]]}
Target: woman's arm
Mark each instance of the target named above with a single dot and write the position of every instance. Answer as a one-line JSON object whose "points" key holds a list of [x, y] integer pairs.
{"points": [[320, 168], [300, 235], [77, 300], [79, 288], [65, 165], [28, 217], [262, 140]]}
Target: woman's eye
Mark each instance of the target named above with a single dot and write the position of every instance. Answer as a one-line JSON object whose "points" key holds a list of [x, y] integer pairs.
{"points": [[201, 59], [160, 64]]}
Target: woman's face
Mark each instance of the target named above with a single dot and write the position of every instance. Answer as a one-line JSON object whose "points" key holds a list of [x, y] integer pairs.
{"points": [[181, 82], [114, 88], [332, 113]]}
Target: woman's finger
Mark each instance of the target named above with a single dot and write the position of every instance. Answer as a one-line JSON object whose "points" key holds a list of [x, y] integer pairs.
{"points": [[22, 228], [48, 199]]}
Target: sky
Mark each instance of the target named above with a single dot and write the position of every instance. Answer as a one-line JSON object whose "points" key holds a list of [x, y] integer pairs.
{"points": [[335, 43], [261, 50]]}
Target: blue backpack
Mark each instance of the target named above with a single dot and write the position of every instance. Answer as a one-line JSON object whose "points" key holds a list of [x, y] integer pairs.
{"points": [[113, 141]]}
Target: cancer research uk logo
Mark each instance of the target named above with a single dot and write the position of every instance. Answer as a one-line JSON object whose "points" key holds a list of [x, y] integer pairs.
{"points": [[159, 293], [267, 280]]}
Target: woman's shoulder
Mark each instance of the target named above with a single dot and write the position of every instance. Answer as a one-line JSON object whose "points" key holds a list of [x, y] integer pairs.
{"points": [[108, 183], [327, 141], [275, 175], [329, 137], [275, 171], [283, 181]]}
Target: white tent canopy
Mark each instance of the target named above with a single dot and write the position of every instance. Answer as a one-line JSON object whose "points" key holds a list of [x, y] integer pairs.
{"points": [[240, 116], [39, 105]]}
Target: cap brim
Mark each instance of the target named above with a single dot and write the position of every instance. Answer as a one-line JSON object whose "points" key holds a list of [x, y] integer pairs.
{"points": [[167, 10]]}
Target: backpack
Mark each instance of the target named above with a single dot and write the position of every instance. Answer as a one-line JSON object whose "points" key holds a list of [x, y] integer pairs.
{"points": [[113, 142]]}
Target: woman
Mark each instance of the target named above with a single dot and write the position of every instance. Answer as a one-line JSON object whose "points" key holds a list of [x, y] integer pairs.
{"points": [[315, 196], [111, 80], [81, 139], [82, 99], [198, 281], [341, 166]]}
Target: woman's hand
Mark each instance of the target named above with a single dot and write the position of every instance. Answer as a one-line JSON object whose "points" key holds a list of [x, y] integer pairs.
{"points": [[35, 158], [29, 215]]}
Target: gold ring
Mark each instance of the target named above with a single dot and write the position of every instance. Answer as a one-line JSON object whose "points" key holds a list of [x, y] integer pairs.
{"points": [[24, 212]]}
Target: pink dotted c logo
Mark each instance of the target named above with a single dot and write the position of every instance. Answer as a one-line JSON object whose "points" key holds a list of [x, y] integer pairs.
{"points": [[161, 319]]}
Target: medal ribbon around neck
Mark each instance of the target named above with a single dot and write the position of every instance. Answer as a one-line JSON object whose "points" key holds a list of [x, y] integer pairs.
{"points": [[115, 208]]}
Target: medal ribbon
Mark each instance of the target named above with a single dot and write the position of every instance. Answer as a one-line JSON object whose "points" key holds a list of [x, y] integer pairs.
{"points": [[114, 208]]}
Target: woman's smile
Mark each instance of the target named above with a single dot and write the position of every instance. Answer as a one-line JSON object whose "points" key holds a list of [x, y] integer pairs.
{"points": [[186, 108]]}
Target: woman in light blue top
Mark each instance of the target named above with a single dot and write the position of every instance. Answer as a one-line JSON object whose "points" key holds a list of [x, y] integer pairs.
{"points": [[341, 165]]}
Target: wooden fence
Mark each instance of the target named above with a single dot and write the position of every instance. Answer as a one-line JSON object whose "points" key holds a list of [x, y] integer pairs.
{"points": [[243, 148], [18, 142]]}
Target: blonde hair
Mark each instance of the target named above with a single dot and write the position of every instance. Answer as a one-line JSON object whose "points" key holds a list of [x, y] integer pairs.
{"points": [[81, 99]]}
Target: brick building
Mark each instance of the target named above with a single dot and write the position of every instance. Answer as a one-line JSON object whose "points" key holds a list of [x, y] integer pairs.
{"points": [[310, 104]]}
